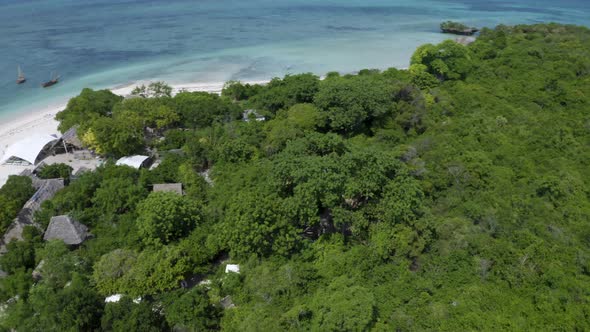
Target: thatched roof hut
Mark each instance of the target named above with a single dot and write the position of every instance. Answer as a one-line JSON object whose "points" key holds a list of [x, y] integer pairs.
{"points": [[70, 137], [47, 189], [66, 229], [169, 187], [14, 232]]}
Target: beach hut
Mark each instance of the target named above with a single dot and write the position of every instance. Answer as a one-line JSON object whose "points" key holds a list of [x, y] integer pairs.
{"points": [[46, 190], [30, 150], [136, 161], [169, 187], [71, 140], [66, 229]]}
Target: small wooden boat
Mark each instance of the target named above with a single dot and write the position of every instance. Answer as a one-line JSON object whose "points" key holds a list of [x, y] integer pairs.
{"points": [[53, 81], [21, 77]]}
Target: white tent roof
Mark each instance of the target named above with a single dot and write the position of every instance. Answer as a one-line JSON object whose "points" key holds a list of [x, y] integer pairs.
{"points": [[27, 149], [113, 298], [232, 268], [133, 161], [117, 297]]}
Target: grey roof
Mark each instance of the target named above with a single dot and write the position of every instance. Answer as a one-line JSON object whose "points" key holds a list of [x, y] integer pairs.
{"points": [[26, 172], [169, 187], [246, 115], [227, 302], [36, 274], [14, 232], [71, 137], [81, 171], [46, 190], [66, 229]]}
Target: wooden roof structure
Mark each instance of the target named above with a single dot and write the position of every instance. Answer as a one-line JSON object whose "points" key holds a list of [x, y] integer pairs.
{"points": [[66, 229], [46, 190], [169, 187], [71, 137]]}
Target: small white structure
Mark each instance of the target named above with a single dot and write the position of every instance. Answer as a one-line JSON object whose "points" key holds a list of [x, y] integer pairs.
{"points": [[113, 298], [232, 268], [248, 114], [117, 297], [28, 149], [136, 161]]}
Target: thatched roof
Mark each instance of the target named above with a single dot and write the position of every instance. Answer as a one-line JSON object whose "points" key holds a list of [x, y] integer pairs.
{"points": [[37, 271], [26, 172], [47, 189], [71, 137], [66, 229], [14, 232], [169, 187], [81, 171], [227, 302]]}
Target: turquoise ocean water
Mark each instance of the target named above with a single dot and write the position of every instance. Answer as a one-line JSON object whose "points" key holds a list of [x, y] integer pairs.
{"points": [[108, 43]]}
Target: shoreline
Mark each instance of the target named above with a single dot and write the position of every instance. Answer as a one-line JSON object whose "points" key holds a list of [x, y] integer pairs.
{"points": [[42, 121]]}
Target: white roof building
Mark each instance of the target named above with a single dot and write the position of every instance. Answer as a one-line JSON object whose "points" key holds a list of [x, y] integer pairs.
{"points": [[136, 161], [117, 297], [113, 298], [232, 268], [27, 149]]}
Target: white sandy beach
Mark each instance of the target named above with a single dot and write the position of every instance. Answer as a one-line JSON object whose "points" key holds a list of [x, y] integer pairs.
{"points": [[42, 121]]}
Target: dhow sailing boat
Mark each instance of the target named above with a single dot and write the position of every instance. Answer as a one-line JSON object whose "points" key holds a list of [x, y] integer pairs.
{"points": [[21, 76]]}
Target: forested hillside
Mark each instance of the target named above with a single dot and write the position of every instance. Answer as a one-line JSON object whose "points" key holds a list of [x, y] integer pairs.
{"points": [[452, 196]]}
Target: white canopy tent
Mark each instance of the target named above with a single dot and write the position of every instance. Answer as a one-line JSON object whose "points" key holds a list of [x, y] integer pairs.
{"points": [[132, 161], [27, 149]]}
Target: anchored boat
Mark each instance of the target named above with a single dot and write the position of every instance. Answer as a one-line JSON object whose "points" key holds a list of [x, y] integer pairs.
{"points": [[21, 76], [53, 81]]}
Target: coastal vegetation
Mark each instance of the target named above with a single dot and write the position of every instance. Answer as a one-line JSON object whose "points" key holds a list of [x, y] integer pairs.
{"points": [[451, 196]]}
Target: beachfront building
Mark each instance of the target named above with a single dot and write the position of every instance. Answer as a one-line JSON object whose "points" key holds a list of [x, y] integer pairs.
{"points": [[169, 187], [66, 229], [29, 151], [136, 161]]}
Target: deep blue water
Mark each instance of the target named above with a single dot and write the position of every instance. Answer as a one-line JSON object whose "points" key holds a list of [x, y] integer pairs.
{"points": [[105, 43]]}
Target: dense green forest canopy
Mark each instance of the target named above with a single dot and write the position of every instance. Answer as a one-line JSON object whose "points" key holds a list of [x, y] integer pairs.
{"points": [[450, 196]]}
